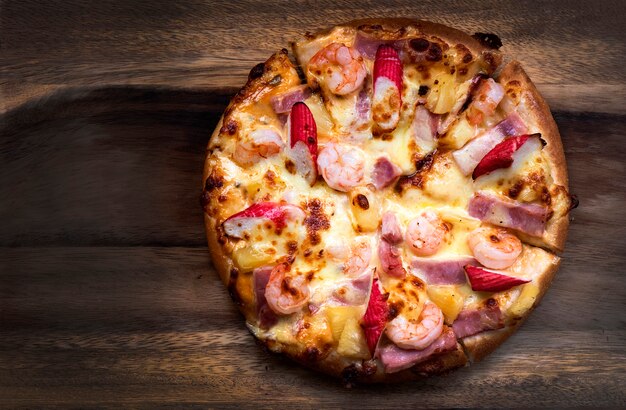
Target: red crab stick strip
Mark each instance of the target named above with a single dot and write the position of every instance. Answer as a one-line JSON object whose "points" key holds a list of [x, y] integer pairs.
{"points": [[375, 317], [238, 224], [303, 141], [501, 156], [387, 88], [488, 281]]}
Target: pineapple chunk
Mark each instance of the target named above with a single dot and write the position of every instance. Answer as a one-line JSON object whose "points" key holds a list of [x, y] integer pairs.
{"points": [[365, 209], [525, 300], [323, 121], [252, 256], [352, 342], [449, 300], [315, 331], [460, 133], [442, 97], [338, 316]]}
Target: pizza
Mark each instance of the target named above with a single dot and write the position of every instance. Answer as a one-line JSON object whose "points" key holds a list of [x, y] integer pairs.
{"points": [[388, 202]]}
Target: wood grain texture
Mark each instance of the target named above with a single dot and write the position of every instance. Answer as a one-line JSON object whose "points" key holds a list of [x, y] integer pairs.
{"points": [[107, 294]]}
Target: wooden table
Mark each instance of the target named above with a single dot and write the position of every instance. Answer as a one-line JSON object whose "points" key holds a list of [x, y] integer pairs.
{"points": [[107, 294]]}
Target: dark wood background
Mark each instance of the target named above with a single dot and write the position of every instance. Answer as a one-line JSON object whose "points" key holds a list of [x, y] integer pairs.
{"points": [[107, 294]]}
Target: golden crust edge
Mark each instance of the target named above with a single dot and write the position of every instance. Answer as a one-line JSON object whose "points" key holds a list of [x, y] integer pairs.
{"points": [[478, 346], [537, 108]]}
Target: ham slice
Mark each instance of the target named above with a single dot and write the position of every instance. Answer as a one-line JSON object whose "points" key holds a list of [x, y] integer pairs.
{"points": [[353, 292], [424, 126], [267, 318], [368, 45], [470, 155], [390, 259], [282, 103], [385, 172], [390, 229], [443, 271], [395, 359], [472, 321], [502, 211]]}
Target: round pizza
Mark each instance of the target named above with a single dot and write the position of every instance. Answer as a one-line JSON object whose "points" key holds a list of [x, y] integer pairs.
{"points": [[389, 203]]}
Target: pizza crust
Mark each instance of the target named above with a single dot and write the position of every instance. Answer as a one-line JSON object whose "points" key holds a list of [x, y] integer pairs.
{"points": [[533, 106]]}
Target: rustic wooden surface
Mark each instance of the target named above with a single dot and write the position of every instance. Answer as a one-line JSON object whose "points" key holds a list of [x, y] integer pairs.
{"points": [[107, 294]]}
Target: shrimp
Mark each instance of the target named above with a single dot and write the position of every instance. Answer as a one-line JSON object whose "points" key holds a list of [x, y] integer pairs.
{"points": [[417, 334], [485, 101], [425, 233], [341, 165], [261, 143], [341, 68], [285, 293], [359, 259], [495, 248]]}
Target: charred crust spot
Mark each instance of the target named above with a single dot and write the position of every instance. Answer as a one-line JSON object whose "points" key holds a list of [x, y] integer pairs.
{"points": [[312, 354], [229, 128], [423, 90], [435, 53], [494, 238], [292, 247], [416, 179], [232, 286], [316, 220], [491, 60], [361, 201], [463, 70], [270, 177], [545, 196], [275, 80], [257, 71], [515, 190], [573, 202], [394, 309], [419, 44], [222, 198], [490, 40], [350, 374], [290, 166], [310, 275], [369, 368], [491, 303]]}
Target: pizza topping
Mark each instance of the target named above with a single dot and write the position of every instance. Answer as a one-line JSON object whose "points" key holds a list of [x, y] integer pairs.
{"points": [[375, 317], [353, 292], [424, 127], [242, 223], [340, 68], [470, 155], [267, 317], [365, 208], [286, 293], [390, 259], [258, 144], [341, 165], [390, 229], [484, 101], [387, 80], [487, 281], [282, 103], [359, 259], [502, 155], [395, 359], [410, 332], [494, 247], [368, 45], [462, 95], [502, 211], [442, 271], [303, 141], [472, 321], [385, 173], [425, 233]]}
